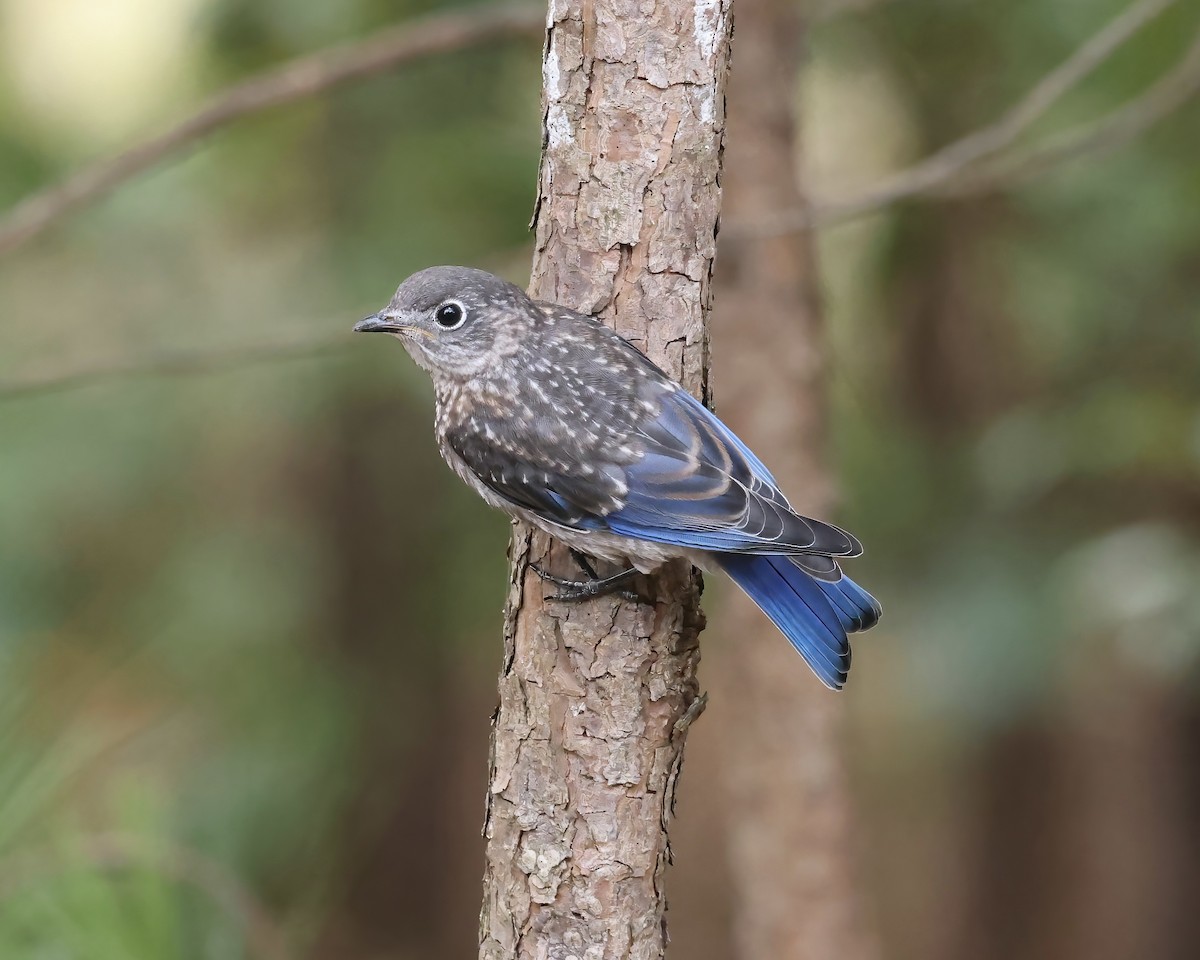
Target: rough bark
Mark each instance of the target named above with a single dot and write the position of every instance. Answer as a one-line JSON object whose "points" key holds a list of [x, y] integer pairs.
{"points": [[595, 698], [790, 825]]}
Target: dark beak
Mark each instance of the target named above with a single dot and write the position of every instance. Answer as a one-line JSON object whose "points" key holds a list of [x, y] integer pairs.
{"points": [[376, 324]]}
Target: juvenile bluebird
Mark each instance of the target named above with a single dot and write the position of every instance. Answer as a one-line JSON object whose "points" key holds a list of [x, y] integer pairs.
{"points": [[556, 420]]}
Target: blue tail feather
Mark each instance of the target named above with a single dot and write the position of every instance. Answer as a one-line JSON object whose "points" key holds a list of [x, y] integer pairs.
{"points": [[856, 609], [814, 615], [846, 613]]}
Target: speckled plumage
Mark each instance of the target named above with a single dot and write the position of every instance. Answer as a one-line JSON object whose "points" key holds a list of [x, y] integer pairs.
{"points": [[557, 420]]}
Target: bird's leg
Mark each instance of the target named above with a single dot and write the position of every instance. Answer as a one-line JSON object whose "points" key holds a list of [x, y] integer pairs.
{"points": [[584, 564], [572, 591]]}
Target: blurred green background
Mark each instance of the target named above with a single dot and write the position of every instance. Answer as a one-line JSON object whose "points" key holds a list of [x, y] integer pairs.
{"points": [[248, 620]]}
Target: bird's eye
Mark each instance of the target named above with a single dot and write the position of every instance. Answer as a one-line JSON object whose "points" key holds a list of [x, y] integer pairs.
{"points": [[450, 315]]}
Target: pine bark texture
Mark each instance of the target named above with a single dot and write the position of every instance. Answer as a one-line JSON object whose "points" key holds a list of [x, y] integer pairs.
{"points": [[596, 698], [790, 825]]}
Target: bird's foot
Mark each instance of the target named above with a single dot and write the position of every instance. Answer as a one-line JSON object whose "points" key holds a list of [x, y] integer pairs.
{"points": [[573, 591]]}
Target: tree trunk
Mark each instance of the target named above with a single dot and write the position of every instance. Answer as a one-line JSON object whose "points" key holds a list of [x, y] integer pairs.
{"points": [[790, 826], [595, 698]]}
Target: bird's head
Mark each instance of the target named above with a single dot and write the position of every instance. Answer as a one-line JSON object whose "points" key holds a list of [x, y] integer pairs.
{"points": [[455, 322]]}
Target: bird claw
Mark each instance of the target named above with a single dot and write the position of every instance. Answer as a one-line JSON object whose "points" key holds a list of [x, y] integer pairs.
{"points": [[573, 591]]}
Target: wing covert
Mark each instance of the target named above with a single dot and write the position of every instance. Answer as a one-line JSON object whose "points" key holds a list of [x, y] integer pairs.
{"points": [[574, 496], [697, 485]]}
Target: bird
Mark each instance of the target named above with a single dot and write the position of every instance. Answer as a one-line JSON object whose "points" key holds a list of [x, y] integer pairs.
{"points": [[555, 419]]}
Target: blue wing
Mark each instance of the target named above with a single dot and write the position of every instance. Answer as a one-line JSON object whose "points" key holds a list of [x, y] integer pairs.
{"points": [[696, 485]]}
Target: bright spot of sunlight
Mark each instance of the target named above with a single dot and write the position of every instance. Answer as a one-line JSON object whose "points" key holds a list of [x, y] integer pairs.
{"points": [[90, 73]]}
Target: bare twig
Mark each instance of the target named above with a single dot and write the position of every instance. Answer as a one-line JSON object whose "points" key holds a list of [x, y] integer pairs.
{"points": [[942, 167], [212, 360], [116, 853], [167, 364], [294, 80], [1113, 130]]}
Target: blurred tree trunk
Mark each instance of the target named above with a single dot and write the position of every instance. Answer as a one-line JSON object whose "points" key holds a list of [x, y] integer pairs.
{"points": [[1085, 836], [595, 698], [790, 817], [410, 800]]}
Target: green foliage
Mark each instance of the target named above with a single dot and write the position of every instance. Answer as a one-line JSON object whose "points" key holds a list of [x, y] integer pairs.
{"points": [[230, 604]]}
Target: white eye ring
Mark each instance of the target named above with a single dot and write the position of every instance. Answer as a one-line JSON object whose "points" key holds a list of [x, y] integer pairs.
{"points": [[450, 315]]}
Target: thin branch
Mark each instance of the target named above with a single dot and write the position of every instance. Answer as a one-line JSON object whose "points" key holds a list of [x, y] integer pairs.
{"points": [[167, 364], [1113, 130], [116, 853], [213, 360], [942, 167], [287, 83], [1119, 127]]}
